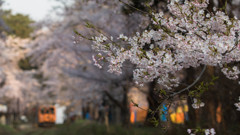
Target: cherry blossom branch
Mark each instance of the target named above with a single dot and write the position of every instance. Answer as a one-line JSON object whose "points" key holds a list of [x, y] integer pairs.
{"points": [[236, 44], [189, 38]]}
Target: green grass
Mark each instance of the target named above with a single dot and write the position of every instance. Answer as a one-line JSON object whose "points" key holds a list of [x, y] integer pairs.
{"points": [[83, 127], [7, 130], [89, 128]]}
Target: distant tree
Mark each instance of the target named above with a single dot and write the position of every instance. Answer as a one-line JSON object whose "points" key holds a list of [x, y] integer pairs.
{"points": [[19, 24], [3, 26], [74, 77]]}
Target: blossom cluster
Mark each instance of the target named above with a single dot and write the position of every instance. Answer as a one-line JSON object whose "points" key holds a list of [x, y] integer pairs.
{"points": [[197, 104], [238, 105], [192, 36], [205, 131], [231, 73]]}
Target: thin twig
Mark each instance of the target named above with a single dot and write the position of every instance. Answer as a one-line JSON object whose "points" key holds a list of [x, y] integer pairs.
{"points": [[191, 85], [133, 7], [235, 46]]}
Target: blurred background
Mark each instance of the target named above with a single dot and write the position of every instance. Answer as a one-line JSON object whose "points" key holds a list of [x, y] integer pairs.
{"points": [[50, 86]]}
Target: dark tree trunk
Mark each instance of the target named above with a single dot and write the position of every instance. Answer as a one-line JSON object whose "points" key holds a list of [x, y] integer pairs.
{"points": [[125, 110], [153, 102], [123, 105]]}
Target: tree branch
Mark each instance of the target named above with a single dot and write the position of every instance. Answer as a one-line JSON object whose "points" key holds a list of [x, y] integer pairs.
{"points": [[191, 85], [113, 99]]}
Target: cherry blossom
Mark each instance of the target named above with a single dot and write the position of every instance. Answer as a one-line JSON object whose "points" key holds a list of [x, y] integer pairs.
{"points": [[191, 37], [238, 105], [205, 131], [197, 104]]}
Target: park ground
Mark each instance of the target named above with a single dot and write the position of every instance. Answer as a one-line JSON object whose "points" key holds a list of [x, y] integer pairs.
{"points": [[87, 128], [83, 127]]}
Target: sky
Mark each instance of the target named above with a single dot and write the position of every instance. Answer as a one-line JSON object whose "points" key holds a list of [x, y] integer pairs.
{"points": [[36, 9]]}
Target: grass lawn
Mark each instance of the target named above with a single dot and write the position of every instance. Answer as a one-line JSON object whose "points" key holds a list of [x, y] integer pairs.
{"points": [[88, 128]]}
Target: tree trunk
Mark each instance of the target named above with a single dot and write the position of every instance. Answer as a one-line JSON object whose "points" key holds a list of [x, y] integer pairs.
{"points": [[125, 110], [124, 105], [153, 102]]}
